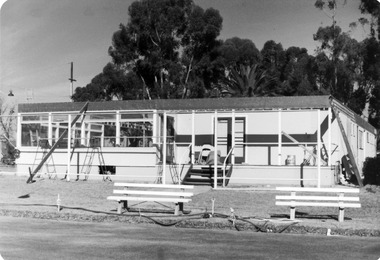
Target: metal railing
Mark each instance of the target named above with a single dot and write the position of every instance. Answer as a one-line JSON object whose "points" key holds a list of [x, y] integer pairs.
{"points": [[224, 165]]}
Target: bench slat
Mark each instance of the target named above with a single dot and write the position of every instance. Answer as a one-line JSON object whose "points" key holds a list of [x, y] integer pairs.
{"points": [[159, 193], [318, 204], [322, 198], [151, 185], [332, 190], [126, 198]]}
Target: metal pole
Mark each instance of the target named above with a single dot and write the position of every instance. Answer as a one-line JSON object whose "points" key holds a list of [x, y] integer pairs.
{"points": [[72, 80], [215, 149], [117, 141], [68, 148], [50, 129], [329, 116], [155, 127], [192, 137], [19, 132], [164, 150], [83, 140], [233, 137], [319, 147], [279, 162]]}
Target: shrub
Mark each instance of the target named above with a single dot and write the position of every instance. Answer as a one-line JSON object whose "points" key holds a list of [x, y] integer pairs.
{"points": [[371, 171]]}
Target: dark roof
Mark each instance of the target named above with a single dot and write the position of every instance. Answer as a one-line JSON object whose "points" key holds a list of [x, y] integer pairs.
{"points": [[253, 103], [211, 104]]}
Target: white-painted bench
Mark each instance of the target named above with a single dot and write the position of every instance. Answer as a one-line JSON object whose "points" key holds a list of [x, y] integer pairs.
{"points": [[324, 197], [151, 192]]}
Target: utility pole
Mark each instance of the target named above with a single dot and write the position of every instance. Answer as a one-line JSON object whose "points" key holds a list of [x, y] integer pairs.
{"points": [[72, 80]]}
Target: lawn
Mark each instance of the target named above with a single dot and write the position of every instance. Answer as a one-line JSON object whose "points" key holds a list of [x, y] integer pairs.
{"points": [[88, 198]]}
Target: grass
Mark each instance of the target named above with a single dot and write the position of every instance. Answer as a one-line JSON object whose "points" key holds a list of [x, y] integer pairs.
{"points": [[90, 198]]}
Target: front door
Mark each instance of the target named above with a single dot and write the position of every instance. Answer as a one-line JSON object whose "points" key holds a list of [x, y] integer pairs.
{"points": [[226, 135]]}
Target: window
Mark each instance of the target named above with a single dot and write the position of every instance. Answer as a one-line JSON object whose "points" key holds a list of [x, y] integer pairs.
{"points": [[97, 129], [32, 134], [353, 129], [136, 129], [360, 139], [136, 134], [34, 128]]}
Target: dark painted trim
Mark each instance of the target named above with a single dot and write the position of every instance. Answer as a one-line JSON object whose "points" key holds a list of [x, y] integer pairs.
{"points": [[250, 138]]}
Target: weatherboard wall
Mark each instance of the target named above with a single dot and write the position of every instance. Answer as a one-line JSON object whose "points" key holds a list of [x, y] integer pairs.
{"points": [[262, 144]]}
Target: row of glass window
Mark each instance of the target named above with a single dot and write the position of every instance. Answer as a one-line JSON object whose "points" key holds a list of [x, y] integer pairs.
{"points": [[99, 130]]}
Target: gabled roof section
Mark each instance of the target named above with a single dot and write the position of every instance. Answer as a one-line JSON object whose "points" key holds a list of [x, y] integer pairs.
{"points": [[252, 103], [353, 116]]}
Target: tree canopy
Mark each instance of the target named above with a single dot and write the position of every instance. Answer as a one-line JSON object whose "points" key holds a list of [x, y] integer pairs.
{"points": [[170, 49]]}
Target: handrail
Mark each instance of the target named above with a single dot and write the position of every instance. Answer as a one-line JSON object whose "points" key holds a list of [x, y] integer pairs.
{"points": [[224, 165], [180, 162]]}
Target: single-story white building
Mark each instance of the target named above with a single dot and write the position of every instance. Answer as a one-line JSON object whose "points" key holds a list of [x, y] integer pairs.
{"points": [[260, 140]]}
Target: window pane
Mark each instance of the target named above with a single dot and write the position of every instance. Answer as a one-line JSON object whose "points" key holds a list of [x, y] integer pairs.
{"points": [[109, 135], [137, 134], [31, 134], [101, 117], [137, 116], [41, 117]]}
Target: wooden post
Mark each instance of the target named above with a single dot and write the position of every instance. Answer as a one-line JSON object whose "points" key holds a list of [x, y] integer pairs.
{"points": [[293, 206], [117, 141], [68, 148], [319, 147], [233, 138], [178, 208], [192, 137], [215, 149], [341, 214], [164, 149], [50, 129], [19, 131], [279, 162], [341, 208], [329, 136]]}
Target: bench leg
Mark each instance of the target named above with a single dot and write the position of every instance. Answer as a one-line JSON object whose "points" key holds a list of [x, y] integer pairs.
{"points": [[341, 215], [292, 213], [121, 205], [178, 207]]}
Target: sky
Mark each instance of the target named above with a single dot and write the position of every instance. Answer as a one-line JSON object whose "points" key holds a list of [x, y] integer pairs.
{"points": [[40, 38]]}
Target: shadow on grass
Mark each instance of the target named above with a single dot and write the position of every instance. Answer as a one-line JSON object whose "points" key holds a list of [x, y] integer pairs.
{"points": [[304, 215], [113, 211]]}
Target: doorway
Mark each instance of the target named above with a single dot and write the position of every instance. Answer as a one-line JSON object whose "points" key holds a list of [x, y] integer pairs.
{"points": [[227, 134]]}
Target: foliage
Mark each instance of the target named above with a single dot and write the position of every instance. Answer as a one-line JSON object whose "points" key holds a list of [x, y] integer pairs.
{"points": [[157, 34], [298, 73], [340, 67], [371, 79], [243, 74], [358, 101], [372, 7], [8, 127], [169, 49], [371, 171], [111, 83]]}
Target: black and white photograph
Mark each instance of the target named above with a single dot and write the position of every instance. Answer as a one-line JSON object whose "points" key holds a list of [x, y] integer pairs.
{"points": [[190, 129]]}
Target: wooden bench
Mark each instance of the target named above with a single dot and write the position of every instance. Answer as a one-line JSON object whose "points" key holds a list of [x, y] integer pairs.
{"points": [[323, 198], [151, 192]]}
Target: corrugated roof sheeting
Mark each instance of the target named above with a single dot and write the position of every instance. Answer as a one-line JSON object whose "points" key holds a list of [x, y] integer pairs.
{"points": [[259, 103]]}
